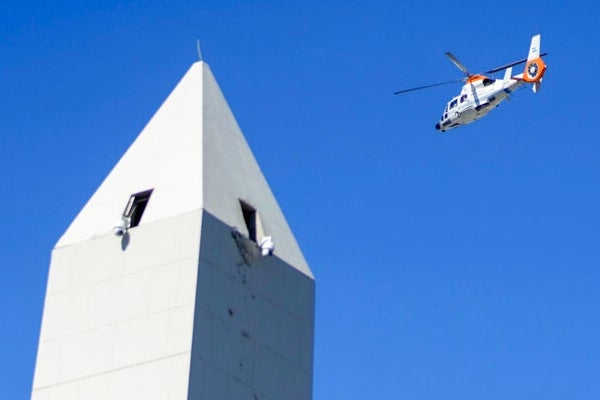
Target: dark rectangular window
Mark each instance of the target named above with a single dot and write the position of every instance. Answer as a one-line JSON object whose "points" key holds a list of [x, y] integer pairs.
{"points": [[250, 219], [135, 207]]}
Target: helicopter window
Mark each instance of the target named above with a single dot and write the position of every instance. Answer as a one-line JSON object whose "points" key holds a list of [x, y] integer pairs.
{"points": [[463, 98], [453, 103], [488, 81]]}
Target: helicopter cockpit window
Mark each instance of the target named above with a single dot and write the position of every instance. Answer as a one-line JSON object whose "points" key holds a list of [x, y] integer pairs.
{"points": [[488, 81], [453, 103]]}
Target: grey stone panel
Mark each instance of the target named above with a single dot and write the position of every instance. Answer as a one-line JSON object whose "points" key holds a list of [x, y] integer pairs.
{"points": [[253, 324]]}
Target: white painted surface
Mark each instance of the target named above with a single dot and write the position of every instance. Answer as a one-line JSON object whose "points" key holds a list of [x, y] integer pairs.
{"points": [[194, 155], [172, 310], [111, 310]]}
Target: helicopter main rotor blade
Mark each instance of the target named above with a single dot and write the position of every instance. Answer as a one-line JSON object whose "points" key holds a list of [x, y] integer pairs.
{"points": [[458, 64], [503, 67], [428, 86]]}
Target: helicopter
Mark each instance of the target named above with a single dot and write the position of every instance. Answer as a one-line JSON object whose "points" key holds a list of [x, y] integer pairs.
{"points": [[481, 94]]}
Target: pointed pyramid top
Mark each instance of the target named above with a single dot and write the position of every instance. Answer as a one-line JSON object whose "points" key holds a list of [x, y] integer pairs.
{"points": [[193, 156]]}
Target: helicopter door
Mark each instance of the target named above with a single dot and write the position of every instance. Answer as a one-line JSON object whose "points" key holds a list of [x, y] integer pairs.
{"points": [[453, 108]]}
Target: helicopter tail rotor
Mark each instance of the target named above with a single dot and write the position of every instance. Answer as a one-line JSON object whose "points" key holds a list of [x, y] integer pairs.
{"points": [[535, 66]]}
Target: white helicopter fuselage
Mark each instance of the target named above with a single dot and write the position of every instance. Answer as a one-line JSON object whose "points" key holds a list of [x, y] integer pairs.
{"points": [[481, 94], [478, 97]]}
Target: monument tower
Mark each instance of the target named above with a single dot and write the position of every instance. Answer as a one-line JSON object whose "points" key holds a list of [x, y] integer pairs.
{"points": [[180, 278]]}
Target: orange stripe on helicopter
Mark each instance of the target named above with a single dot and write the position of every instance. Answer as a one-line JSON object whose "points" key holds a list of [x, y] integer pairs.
{"points": [[475, 78]]}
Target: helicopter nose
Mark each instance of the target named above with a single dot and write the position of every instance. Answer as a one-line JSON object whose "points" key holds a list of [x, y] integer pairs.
{"points": [[437, 126]]}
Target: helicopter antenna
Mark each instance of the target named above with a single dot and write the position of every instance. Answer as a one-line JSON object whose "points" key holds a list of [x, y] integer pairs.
{"points": [[198, 50]]}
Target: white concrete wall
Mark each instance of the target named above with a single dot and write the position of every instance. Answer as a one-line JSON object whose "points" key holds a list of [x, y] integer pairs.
{"points": [[174, 311], [166, 156], [118, 322], [176, 314], [231, 173], [253, 336]]}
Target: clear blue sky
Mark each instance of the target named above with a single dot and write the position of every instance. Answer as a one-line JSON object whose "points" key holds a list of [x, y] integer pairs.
{"points": [[463, 265]]}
